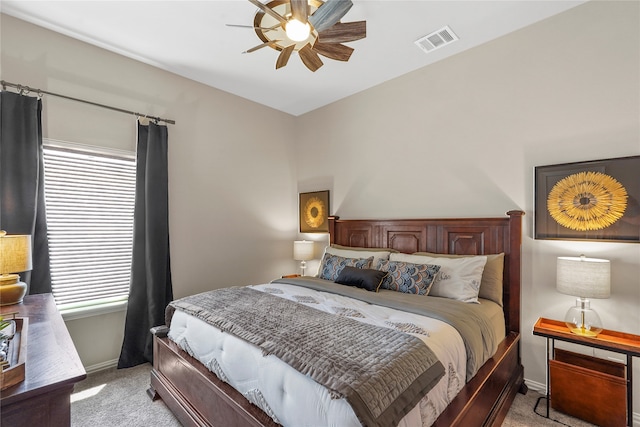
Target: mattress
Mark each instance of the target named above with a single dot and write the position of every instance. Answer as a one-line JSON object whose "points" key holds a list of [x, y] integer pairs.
{"points": [[293, 399]]}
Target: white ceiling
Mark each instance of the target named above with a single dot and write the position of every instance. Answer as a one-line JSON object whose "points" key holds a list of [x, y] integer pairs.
{"points": [[190, 38]]}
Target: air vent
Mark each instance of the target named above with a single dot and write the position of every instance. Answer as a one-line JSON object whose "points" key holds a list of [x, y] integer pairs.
{"points": [[436, 40]]}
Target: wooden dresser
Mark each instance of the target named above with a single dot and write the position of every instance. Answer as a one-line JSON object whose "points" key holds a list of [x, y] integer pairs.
{"points": [[52, 368]]}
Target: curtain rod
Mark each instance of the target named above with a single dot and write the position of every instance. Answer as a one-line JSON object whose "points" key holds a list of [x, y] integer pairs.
{"points": [[26, 89]]}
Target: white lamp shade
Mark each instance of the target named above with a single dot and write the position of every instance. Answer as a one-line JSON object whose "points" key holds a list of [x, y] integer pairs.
{"points": [[584, 277], [15, 253], [303, 250]]}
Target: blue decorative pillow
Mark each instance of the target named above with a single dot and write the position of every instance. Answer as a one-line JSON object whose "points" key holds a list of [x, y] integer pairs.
{"points": [[332, 265], [407, 277]]}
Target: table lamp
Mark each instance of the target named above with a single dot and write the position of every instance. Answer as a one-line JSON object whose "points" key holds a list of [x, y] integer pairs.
{"points": [[585, 278], [15, 257], [303, 252]]}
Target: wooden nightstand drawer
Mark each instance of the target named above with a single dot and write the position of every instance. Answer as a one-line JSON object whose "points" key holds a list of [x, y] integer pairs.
{"points": [[588, 388]]}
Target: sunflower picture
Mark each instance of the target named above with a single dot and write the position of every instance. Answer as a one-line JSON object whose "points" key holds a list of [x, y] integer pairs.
{"points": [[587, 201], [596, 200], [314, 212]]}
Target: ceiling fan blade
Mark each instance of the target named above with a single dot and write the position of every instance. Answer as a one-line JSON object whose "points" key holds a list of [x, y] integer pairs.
{"points": [[260, 46], [300, 10], [268, 10], [344, 32], [329, 13], [310, 58], [255, 28], [283, 58], [335, 51]]}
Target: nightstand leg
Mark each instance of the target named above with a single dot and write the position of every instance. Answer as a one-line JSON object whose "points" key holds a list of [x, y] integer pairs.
{"points": [[629, 391], [547, 388]]}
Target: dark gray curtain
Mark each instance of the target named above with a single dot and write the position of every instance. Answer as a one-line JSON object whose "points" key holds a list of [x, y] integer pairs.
{"points": [[150, 291], [22, 209]]}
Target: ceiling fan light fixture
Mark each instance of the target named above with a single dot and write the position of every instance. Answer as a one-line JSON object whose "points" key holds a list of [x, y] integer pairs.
{"points": [[296, 25], [297, 31]]}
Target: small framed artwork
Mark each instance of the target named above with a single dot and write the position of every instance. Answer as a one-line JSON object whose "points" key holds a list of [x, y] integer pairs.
{"points": [[314, 212], [597, 200]]}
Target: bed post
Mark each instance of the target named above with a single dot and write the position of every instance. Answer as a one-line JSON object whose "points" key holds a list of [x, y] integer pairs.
{"points": [[515, 255], [332, 227], [515, 278]]}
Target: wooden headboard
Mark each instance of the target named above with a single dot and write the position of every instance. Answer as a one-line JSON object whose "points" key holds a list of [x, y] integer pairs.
{"points": [[460, 236]]}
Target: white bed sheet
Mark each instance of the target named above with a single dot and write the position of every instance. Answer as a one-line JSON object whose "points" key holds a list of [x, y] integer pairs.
{"points": [[293, 399]]}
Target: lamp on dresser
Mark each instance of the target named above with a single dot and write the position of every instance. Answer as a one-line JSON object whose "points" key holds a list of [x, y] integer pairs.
{"points": [[15, 257], [584, 278], [303, 252]]}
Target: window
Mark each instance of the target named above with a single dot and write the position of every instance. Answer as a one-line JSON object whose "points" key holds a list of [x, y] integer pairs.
{"points": [[89, 194]]}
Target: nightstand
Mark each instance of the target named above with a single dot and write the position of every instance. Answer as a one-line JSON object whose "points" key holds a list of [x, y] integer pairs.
{"points": [[290, 276], [602, 378]]}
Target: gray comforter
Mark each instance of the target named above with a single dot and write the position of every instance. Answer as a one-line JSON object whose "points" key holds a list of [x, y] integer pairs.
{"points": [[475, 328], [383, 373]]}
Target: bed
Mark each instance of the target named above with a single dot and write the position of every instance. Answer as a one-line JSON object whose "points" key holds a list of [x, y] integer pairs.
{"points": [[198, 397]]}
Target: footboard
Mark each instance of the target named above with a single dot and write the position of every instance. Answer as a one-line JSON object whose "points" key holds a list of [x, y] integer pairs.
{"points": [[195, 395], [486, 399], [198, 398]]}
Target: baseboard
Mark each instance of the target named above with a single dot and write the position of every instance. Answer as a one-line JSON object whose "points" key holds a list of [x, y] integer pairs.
{"points": [[536, 386], [101, 366], [541, 388]]}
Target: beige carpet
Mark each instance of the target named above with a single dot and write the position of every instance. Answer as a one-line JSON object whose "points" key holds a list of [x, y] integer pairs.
{"points": [[117, 397], [530, 410]]}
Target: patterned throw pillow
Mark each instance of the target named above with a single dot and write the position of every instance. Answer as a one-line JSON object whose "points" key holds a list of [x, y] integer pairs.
{"points": [[332, 265], [347, 252], [459, 278], [492, 275], [408, 277]]}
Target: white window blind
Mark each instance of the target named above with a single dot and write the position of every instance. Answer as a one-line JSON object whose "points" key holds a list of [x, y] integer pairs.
{"points": [[90, 201]]}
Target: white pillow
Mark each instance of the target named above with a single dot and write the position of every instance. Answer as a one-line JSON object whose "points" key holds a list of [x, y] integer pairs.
{"points": [[459, 278], [357, 253]]}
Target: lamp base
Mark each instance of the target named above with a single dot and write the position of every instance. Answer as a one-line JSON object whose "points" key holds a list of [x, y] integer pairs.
{"points": [[584, 332], [582, 320], [303, 266], [12, 291]]}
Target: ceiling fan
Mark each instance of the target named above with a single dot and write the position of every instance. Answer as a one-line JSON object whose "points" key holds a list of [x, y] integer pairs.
{"points": [[309, 27]]}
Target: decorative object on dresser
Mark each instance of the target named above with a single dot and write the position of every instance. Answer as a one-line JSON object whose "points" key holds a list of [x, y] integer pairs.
{"points": [[52, 368], [15, 257], [596, 390], [303, 251], [13, 350], [314, 212], [584, 278], [595, 200]]}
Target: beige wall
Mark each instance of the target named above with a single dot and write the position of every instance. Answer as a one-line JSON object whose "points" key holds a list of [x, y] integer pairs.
{"points": [[460, 137], [231, 163]]}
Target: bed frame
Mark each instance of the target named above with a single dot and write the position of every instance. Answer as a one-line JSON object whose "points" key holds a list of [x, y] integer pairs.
{"points": [[198, 398]]}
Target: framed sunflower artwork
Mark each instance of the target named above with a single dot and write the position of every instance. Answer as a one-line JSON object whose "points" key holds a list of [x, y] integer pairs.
{"points": [[314, 212], [596, 200]]}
